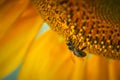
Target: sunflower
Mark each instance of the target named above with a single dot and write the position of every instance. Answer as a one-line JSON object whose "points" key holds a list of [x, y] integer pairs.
{"points": [[44, 55]]}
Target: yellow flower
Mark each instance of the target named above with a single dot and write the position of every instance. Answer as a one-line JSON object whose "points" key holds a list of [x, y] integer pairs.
{"points": [[44, 57]]}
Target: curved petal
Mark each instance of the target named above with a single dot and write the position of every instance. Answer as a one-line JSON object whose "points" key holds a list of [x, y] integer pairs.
{"points": [[17, 40], [114, 70], [9, 12], [50, 59], [97, 68]]}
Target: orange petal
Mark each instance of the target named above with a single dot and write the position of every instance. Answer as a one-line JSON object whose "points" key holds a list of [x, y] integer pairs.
{"points": [[9, 12], [97, 68], [114, 70], [17, 40], [50, 59]]}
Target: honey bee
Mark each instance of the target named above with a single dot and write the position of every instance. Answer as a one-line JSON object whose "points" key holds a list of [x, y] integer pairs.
{"points": [[76, 52]]}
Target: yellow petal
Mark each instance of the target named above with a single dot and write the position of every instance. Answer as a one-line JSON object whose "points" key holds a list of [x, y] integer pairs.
{"points": [[17, 40], [50, 59], [97, 68], [79, 70], [114, 70], [9, 13]]}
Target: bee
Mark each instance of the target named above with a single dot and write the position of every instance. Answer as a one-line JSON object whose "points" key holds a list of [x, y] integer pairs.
{"points": [[76, 52]]}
